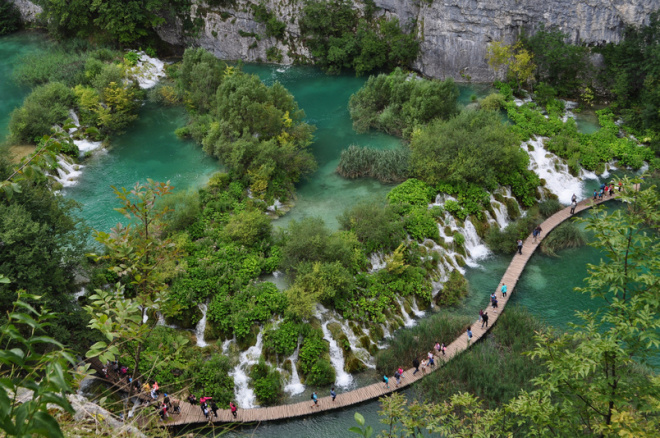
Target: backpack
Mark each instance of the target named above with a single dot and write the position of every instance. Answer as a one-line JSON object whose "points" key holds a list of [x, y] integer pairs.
{"points": [[385, 379], [397, 375]]}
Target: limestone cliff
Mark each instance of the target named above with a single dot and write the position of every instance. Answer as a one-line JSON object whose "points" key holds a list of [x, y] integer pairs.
{"points": [[454, 34]]}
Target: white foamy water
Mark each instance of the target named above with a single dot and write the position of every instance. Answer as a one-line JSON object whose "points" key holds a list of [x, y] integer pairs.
{"points": [[67, 172], [245, 397], [377, 261], [344, 379], [276, 205], [294, 386], [148, 71], [407, 320], [554, 171], [201, 326]]}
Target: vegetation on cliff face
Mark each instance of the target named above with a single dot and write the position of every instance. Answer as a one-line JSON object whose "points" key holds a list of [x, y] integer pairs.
{"points": [[340, 37]]}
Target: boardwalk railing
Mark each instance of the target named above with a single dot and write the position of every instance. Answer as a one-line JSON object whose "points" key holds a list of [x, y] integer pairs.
{"points": [[193, 414]]}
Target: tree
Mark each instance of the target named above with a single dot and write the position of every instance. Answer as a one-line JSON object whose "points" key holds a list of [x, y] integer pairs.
{"points": [[138, 253], [516, 59]]}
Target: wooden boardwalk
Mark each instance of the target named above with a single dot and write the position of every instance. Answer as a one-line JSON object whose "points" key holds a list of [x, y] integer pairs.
{"points": [[193, 414]]}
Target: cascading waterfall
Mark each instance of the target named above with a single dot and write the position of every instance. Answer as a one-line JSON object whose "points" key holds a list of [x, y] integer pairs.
{"points": [[244, 394], [554, 171], [501, 215], [201, 326], [418, 313], [84, 145], [378, 262], [474, 246], [344, 379], [148, 71], [359, 352], [294, 386], [67, 172], [407, 320]]}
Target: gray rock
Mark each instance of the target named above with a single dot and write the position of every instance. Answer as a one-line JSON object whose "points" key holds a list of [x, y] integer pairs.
{"points": [[28, 10]]}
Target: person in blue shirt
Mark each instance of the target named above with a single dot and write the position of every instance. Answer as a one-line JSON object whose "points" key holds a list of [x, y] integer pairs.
{"points": [[333, 393], [503, 289]]}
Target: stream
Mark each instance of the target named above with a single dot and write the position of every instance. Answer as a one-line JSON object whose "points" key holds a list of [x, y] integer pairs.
{"points": [[149, 149]]}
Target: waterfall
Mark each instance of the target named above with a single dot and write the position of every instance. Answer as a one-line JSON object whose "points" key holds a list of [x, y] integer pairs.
{"points": [[344, 379], [244, 394], [554, 171], [73, 116], [359, 352], [201, 326], [67, 172], [148, 71], [407, 320], [418, 313], [474, 246], [294, 386], [501, 215], [225, 345], [378, 262], [277, 205]]}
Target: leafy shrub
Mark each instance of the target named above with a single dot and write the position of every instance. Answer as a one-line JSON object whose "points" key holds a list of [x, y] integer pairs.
{"points": [[549, 207], [46, 106], [504, 241], [420, 224], [377, 227], [55, 65], [198, 77], [267, 383], [184, 209], [411, 193], [274, 27], [284, 339], [211, 378], [493, 102], [10, 17], [454, 289], [249, 228], [399, 102], [311, 350], [567, 235], [321, 374]]}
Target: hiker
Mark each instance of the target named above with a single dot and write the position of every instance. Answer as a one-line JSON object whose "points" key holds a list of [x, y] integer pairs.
{"points": [[573, 207], [469, 334], [333, 394], [424, 364], [315, 399], [537, 232], [166, 400], [503, 289], [481, 312], [397, 376], [214, 408], [431, 362], [386, 381], [493, 298], [573, 198], [233, 408], [416, 365], [146, 388], [485, 321], [437, 347], [520, 245], [176, 407], [155, 387], [595, 194], [205, 409], [153, 394], [192, 399], [443, 348], [495, 303]]}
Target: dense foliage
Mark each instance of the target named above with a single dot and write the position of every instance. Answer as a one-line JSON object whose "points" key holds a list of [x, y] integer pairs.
{"points": [[387, 166], [10, 17], [400, 102], [125, 22], [340, 37], [257, 131], [473, 147]]}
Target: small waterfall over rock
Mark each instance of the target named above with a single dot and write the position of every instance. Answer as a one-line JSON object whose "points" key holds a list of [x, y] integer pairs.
{"points": [[377, 261], [201, 326], [407, 320], [84, 145], [501, 216], [244, 394], [554, 171], [474, 246], [344, 379], [67, 172], [294, 386], [148, 71]]}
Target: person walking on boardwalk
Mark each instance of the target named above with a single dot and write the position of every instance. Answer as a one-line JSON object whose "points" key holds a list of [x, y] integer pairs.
{"points": [[176, 405], [397, 376], [315, 399], [537, 232], [214, 408], [205, 409], [481, 312], [166, 400], [431, 361], [573, 206], [503, 289], [520, 245], [485, 320], [469, 335], [416, 365], [386, 381], [443, 348], [573, 198], [233, 408], [595, 194], [333, 394]]}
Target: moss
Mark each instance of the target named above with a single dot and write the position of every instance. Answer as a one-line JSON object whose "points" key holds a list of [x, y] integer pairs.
{"points": [[357, 331], [211, 333], [407, 308], [483, 226], [353, 364], [288, 366], [376, 332], [448, 231], [499, 198], [460, 260], [250, 340], [335, 330], [423, 304], [314, 324], [460, 249], [364, 342], [512, 208]]}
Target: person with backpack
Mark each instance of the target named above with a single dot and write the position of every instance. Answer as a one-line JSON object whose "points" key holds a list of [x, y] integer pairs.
{"points": [[485, 320], [214, 408], [315, 399], [397, 376], [233, 408], [519, 243], [415, 363], [469, 335], [333, 394], [387, 382], [176, 407], [573, 207]]}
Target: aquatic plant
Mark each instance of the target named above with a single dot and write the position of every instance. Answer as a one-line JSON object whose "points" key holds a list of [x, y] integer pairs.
{"points": [[567, 235], [387, 166]]}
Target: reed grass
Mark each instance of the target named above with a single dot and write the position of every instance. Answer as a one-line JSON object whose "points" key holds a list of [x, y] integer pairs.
{"points": [[387, 166], [567, 235]]}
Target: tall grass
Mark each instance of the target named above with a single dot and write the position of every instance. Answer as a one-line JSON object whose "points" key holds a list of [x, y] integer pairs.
{"points": [[417, 341], [386, 166], [496, 368], [567, 235]]}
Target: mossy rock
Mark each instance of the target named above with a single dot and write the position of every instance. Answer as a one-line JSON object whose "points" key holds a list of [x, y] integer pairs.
{"points": [[335, 330], [357, 330], [387, 312], [250, 340], [373, 349], [460, 249], [353, 364], [423, 304], [512, 208], [499, 198], [460, 260], [364, 342], [376, 332], [288, 366], [483, 226], [187, 319], [448, 231], [397, 323], [212, 334], [315, 323]]}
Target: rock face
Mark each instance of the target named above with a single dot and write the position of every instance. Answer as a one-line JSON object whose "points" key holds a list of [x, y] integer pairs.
{"points": [[454, 34], [28, 10]]}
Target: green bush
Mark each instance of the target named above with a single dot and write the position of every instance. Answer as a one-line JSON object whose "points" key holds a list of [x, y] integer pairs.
{"points": [[284, 339], [421, 224], [184, 209], [46, 106], [10, 17], [504, 241], [549, 207], [411, 193], [249, 228], [267, 383], [567, 235], [56, 65], [274, 27], [453, 291], [376, 226], [211, 378], [399, 102], [321, 374], [493, 102], [311, 350]]}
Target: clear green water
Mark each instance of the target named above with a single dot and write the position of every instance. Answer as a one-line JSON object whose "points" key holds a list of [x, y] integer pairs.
{"points": [[149, 149], [12, 48]]}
